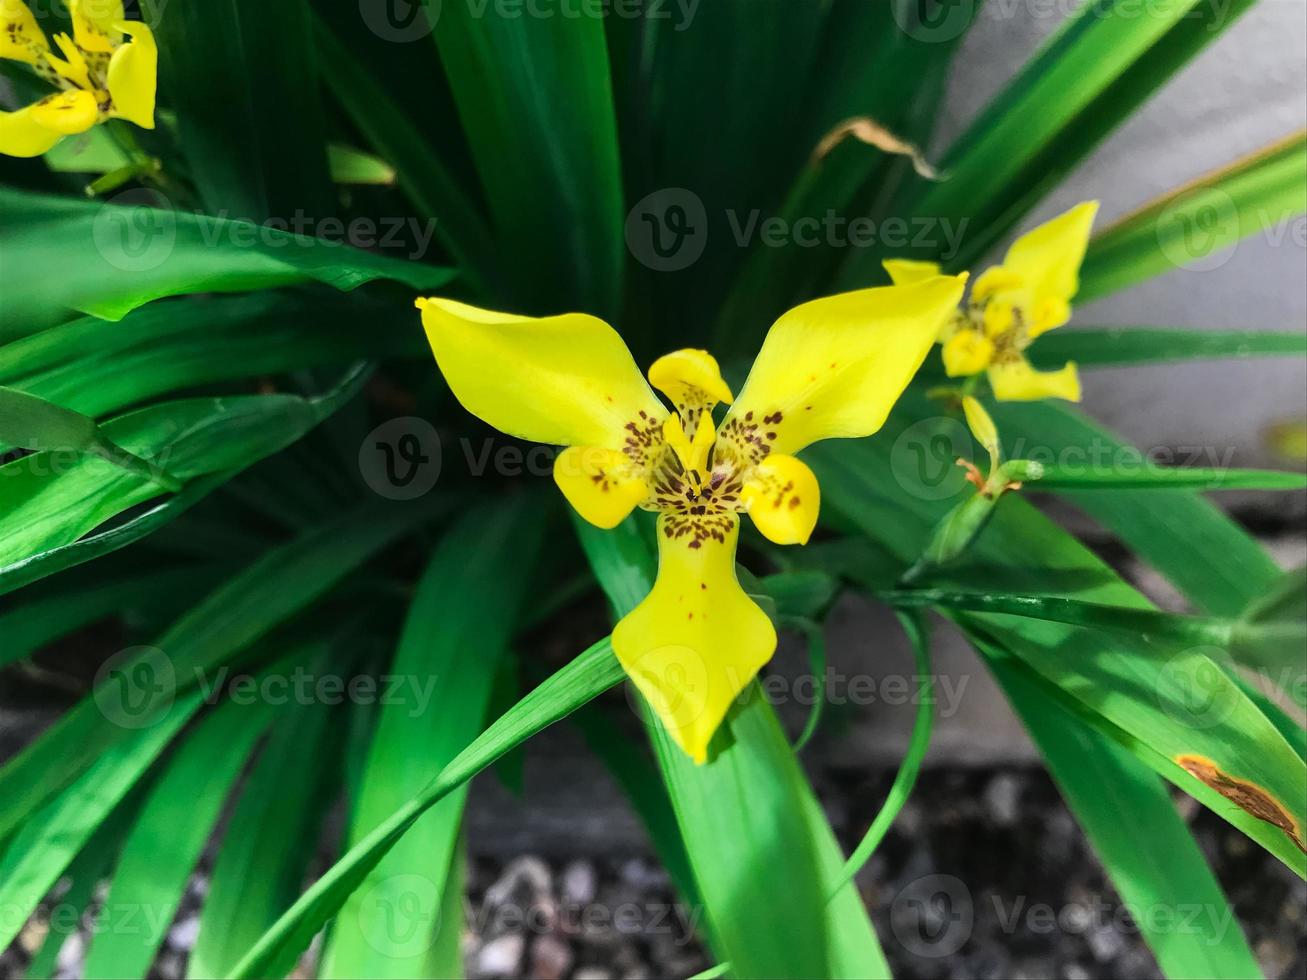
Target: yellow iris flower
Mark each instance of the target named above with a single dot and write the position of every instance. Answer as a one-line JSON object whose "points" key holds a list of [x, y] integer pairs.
{"points": [[831, 368], [99, 76], [1011, 305]]}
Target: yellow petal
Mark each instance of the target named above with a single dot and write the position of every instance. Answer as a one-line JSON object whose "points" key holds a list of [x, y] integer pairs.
{"points": [[999, 316], [602, 484], [21, 135], [1048, 259], [66, 113], [904, 272], [966, 353], [72, 66], [697, 640], [21, 37], [133, 75], [833, 368], [783, 498], [95, 23], [1017, 381], [567, 380], [981, 425], [994, 280], [690, 377]]}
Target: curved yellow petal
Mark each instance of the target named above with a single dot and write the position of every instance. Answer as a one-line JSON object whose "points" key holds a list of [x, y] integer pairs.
{"points": [[66, 113], [567, 380], [966, 353], [690, 376], [904, 272], [21, 135], [1017, 381], [72, 66], [980, 424], [833, 368], [697, 639], [602, 484], [134, 75], [996, 279], [95, 24], [783, 498], [1048, 258], [21, 37]]}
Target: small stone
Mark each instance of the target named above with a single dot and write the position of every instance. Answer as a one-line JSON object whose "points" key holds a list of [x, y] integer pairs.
{"points": [[1002, 798], [579, 883], [592, 973], [501, 957], [184, 933], [551, 958]]}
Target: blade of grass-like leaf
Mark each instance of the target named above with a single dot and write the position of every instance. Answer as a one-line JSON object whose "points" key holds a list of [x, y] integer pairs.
{"points": [[227, 622], [1146, 848], [715, 804], [1152, 477], [251, 120], [163, 347], [1123, 346], [164, 844], [469, 598], [816, 668], [909, 768], [350, 165], [50, 499], [115, 257], [272, 833], [52, 834], [1252, 195], [444, 961], [586, 677], [538, 89]]}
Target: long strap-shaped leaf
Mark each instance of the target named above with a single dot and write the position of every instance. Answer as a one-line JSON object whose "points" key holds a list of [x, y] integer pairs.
{"points": [[585, 678], [716, 805], [468, 599], [1124, 346], [1254, 195]]}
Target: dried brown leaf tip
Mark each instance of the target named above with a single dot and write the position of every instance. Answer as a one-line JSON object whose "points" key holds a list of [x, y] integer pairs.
{"points": [[1243, 794], [867, 130]]}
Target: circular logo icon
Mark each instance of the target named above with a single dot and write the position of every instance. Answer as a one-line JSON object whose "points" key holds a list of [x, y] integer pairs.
{"points": [[400, 21], [934, 21], [135, 687], [1196, 229], [924, 457], [677, 676], [400, 459], [933, 916], [667, 230], [400, 915], [1194, 688], [135, 231]]}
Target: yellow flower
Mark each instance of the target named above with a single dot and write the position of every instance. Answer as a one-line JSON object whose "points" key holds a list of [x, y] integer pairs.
{"points": [[831, 368], [1011, 305], [99, 76]]}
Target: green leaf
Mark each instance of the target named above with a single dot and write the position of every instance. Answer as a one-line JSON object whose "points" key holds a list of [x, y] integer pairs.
{"points": [[243, 78], [1271, 634], [51, 498], [1136, 832], [175, 822], [716, 806], [538, 89], [585, 678], [1149, 476], [1124, 346], [273, 831], [114, 257], [237, 614], [469, 599], [350, 165], [1250, 196]]}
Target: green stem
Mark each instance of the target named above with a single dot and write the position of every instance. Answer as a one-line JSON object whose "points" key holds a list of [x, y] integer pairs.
{"points": [[115, 454]]}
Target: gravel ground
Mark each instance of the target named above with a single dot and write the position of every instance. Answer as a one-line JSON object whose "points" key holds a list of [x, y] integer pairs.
{"points": [[984, 875]]}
